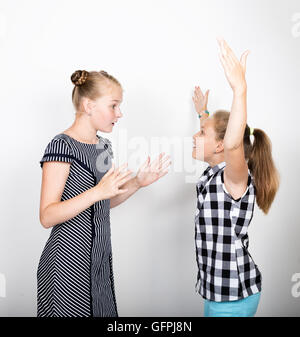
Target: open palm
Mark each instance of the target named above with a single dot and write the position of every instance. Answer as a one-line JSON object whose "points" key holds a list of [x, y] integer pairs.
{"points": [[200, 100], [234, 69], [151, 172]]}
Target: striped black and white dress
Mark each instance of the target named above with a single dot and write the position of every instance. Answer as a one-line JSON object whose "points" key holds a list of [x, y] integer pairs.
{"points": [[75, 271]]}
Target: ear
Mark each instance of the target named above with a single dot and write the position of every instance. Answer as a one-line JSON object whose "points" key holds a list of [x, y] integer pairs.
{"points": [[220, 147], [88, 105]]}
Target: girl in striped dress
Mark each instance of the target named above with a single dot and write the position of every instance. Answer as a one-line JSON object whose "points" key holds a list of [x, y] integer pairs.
{"points": [[239, 173], [79, 186]]}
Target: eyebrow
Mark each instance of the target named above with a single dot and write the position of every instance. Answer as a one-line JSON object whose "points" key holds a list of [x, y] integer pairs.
{"points": [[115, 100]]}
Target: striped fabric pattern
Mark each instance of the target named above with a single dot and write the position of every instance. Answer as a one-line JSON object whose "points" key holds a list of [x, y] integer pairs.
{"points": [[75, 271]]}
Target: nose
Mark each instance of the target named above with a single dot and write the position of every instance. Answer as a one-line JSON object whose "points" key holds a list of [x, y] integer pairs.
{"points": [[119, 113]]}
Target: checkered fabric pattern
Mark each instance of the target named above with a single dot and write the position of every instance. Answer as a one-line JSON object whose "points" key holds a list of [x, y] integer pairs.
{"points": [[226, 270]]}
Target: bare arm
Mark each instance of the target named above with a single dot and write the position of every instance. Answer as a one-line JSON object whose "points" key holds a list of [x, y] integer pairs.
{"points": [[236, 170], [237, 119], [54, 211]]}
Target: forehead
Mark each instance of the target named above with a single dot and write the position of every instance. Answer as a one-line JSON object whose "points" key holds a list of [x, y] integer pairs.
{"points": [[113, 94]]}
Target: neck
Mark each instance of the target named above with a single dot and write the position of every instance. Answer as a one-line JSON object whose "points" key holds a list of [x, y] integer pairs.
{"points": [[214, 161], [83, 130]]}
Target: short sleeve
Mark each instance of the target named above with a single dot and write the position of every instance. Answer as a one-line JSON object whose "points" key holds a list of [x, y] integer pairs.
{"points": [[57, 150]]}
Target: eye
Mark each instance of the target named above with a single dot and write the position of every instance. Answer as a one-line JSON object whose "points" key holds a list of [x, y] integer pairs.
{"points": [[114, 105]]}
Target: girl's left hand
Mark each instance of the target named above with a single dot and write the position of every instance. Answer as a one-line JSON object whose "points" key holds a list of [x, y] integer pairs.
{"points": [[151, 172], [200, 100], [234, 69]]}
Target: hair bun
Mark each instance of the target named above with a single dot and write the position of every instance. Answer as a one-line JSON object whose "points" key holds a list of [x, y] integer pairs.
{"points": [[79, 77]]}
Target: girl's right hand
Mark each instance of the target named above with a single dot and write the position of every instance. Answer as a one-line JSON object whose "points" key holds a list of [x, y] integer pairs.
{"points": [[200, 100], [109, 186]]}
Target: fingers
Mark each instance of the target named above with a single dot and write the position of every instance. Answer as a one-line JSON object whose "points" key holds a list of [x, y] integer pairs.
{"points": [[119, 169], [162, 173], [226, 60], [206, 95], [228, 57], [163, 168], [230, 53], [223, 61], [198, 92], [199, 99], [118, 175], [158, 163], [225, 49], [123, 175], [110, 171], [228, 64], [244, 59], [221, 45], [166, 165], [123, 181], [145, 164], [165, 162], [196, 100]]}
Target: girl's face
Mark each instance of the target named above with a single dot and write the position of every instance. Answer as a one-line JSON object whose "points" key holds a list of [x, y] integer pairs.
{"points": [[105, 111], [204, 141]]}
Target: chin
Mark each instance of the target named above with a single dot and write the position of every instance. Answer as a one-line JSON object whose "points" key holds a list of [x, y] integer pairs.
{"points": [[106, 130]]}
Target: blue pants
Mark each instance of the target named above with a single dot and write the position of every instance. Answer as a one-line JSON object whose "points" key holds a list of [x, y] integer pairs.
{"points": [[246, 307]]}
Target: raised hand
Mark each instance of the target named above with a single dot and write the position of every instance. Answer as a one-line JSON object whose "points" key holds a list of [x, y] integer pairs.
{"points": [[234, 69], [109, 186], [151, 172], [200, 100]]}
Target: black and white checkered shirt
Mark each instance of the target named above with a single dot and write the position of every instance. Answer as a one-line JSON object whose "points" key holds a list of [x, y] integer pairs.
{"points": [[226, 270]]}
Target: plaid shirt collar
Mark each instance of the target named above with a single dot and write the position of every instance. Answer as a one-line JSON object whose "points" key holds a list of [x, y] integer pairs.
{"points": [[208, 172], [216, 168]]}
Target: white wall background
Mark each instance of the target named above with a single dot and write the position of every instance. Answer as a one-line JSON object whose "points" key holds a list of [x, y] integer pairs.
{"points": [[158, 50]]}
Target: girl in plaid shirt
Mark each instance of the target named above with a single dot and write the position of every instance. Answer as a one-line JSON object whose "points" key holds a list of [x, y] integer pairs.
{"points": [[239, 173]]}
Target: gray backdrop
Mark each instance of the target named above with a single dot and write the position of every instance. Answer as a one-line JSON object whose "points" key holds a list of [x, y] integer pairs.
{"points": [[158, 50]]}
